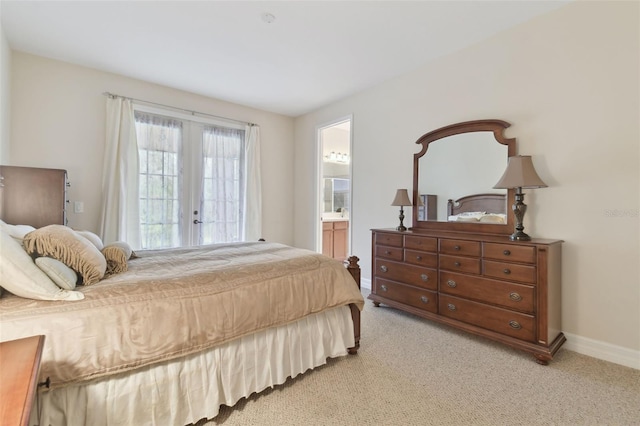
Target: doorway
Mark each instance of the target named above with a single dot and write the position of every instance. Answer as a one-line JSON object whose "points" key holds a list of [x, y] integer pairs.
{"points": [[334, 189]]}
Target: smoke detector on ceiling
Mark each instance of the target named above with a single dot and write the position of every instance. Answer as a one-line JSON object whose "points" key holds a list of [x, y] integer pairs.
{"points": [[268, 17]]}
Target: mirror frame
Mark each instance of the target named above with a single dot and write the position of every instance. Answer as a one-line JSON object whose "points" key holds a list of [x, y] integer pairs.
{"points": [[495, 126]]}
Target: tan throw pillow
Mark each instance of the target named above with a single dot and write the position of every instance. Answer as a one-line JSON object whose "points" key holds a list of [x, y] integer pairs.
{"points": [[64, 244], [116, 259], [128, 252]]}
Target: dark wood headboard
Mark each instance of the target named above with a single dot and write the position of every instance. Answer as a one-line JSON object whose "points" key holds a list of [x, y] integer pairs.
{"points": [[489, 203], [33, 196]]}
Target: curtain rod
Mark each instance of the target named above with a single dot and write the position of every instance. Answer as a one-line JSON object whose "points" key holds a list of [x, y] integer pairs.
{"points": [[113, 95]]}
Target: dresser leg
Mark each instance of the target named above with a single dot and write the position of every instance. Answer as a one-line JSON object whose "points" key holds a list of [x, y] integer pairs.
{"points": [[541, 361], [376, 304]]}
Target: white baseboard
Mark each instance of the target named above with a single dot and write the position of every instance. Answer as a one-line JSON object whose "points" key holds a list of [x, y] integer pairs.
{"points": [[365, 283], [585, 346], [602, 350]]}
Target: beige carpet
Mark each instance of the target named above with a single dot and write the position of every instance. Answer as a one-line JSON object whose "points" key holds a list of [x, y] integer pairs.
{"points": [[413, 372]]}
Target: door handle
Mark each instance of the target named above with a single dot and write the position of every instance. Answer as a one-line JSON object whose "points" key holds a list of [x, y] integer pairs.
{"points": [[196, 221]]}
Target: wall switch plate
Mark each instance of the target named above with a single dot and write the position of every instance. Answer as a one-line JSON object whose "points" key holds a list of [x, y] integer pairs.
{"points": [[78, 207]]}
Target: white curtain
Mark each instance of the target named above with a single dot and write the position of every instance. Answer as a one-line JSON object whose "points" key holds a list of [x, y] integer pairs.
{"points": [[231, 208], [120, 211], [253, 185]]}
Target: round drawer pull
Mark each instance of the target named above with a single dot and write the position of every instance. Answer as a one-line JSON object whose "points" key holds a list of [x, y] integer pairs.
{"points": [[424, 277], [387, 252], [451, 307], [383, 287], [515, 297], [456, 264], [506, 252], [424, 299], [418, 257], [384, 268], [452, 284], [507, 271], [515, 325], [456, 248]]}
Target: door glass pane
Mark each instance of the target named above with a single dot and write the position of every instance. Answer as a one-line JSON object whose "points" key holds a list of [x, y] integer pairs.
{"points": [[220, 205]]}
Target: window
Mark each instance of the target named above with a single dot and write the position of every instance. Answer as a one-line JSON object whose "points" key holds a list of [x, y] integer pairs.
{"points": [[190, 183]]}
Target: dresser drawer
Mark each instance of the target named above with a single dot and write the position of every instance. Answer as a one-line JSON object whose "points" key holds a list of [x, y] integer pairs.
{"points": [[460, 264], [417, 297], [415, 257], [508, 295], [421, 243], [460, 247], [393, 253], [394, 240], [509, 252], [509, 271], [408, 274], [515, 324]]}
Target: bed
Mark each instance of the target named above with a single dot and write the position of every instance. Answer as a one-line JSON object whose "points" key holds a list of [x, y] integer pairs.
{"points": [[478, 208], [174, 334]]}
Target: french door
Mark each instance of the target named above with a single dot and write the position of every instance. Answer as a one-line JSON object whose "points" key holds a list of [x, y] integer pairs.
{"points": [[191, 180]]}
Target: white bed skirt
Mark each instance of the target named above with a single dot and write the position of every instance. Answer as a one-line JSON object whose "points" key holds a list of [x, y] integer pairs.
{"points": [[183, 391]]}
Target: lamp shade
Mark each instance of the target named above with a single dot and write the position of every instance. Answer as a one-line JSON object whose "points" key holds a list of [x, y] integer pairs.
{"points": [[520, 173], [402, 198]]}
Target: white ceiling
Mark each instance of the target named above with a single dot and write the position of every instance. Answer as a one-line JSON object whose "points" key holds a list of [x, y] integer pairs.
{"points": [[312, 54]]}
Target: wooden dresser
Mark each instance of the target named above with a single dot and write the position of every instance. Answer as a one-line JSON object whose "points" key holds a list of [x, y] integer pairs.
{"points": [[508, 291]]}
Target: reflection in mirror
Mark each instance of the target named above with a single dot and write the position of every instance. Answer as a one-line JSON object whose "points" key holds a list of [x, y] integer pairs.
{"points": [[463, 161], [336, 195], [335, 187], [457, 166]]}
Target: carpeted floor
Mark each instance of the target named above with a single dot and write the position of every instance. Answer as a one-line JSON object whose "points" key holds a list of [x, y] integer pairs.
{"points": [[410, 371]]}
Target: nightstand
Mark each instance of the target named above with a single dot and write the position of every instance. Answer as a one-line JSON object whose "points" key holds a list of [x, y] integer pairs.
{"points": [[19, 366]]}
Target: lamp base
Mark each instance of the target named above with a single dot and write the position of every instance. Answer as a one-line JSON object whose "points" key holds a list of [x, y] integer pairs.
{"points": [[519, 236], [401, 227]]}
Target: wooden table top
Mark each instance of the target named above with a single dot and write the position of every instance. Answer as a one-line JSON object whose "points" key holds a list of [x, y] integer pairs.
{"points": [[19, 365]]}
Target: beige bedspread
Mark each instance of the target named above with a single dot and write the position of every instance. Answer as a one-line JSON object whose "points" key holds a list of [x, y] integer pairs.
{"points": [[176, 302]]}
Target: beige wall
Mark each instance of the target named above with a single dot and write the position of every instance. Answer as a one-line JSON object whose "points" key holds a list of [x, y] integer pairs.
{"points": [[58, 121], [568, 83], [5, 97]]}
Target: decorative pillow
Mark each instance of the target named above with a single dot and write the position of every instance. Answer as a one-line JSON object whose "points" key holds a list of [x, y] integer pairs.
{"points": [[64, 244], [116, 259], [20, 276], [128, 252], [95, 240], [471, 214], [493, 218], [466, 219], [61, 274]]}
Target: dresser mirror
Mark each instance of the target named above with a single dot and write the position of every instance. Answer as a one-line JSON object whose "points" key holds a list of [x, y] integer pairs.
{"points": [[462, 162]]}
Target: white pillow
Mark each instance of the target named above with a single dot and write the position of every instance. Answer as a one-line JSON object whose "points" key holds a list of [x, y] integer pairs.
{"points": [[20, 275], [95, 240], [61, 274], [16, 231]]}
